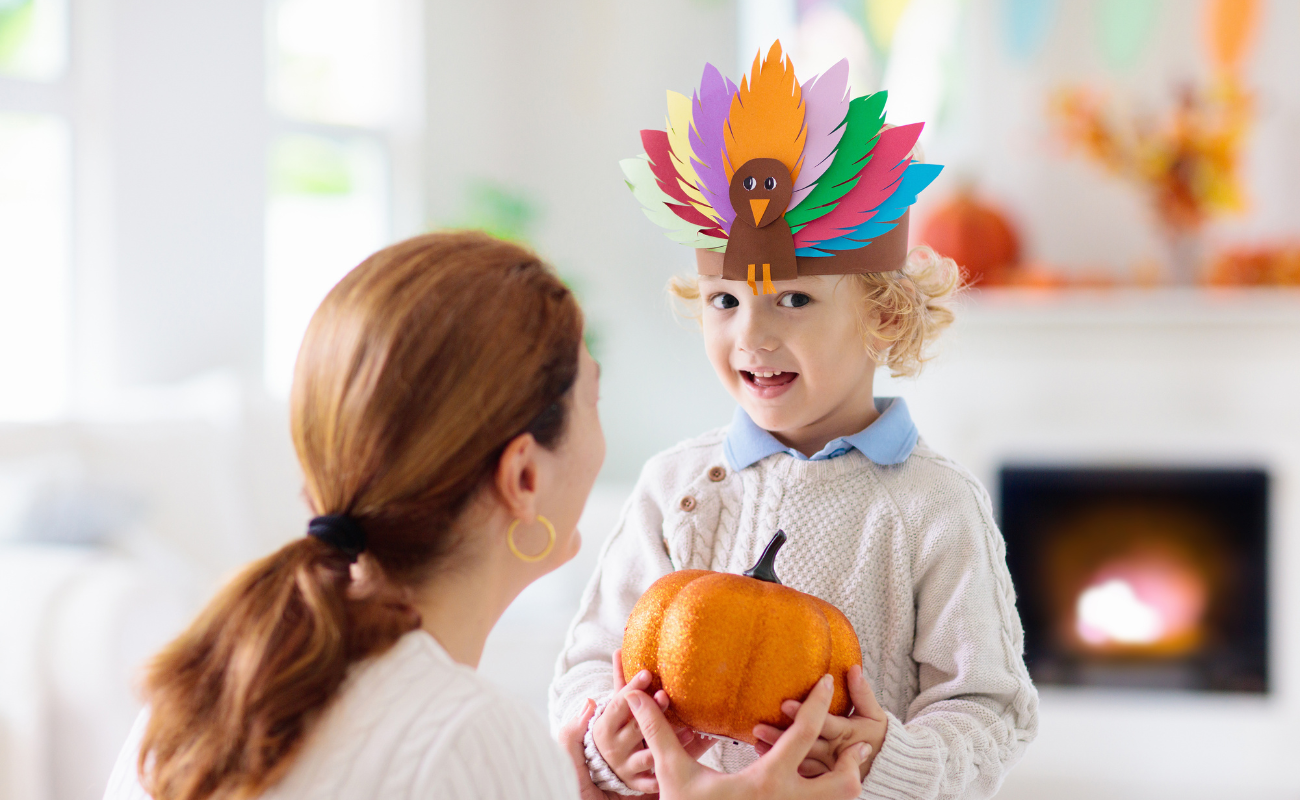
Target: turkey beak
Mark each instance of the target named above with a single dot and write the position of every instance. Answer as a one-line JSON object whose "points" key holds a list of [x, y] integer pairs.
{"points": [[758, 207]]}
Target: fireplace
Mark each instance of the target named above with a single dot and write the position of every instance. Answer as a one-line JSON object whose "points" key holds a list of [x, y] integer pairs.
{"points": [[1140, 578]]}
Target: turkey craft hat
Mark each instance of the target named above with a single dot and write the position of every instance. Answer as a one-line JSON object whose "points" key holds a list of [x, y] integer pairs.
{"points": [[772, 179]]}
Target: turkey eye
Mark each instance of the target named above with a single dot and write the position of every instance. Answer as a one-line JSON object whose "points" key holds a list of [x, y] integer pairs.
{"points": [[769, 184], [750, 183]]}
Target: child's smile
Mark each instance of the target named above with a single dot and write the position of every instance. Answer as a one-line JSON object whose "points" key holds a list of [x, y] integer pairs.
{"points": [[768, 383], [795, 360]]}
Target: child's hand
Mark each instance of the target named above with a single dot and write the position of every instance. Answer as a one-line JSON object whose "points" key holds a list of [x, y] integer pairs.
{"points": [[570, 738], [867, 724], [618, 737]]}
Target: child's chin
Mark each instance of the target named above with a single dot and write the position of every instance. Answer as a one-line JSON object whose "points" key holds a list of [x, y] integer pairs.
{"points": [[770, 419]]}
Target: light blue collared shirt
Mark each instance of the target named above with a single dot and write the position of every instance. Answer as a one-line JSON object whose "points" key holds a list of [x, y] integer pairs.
{"points": [[888, 440]]}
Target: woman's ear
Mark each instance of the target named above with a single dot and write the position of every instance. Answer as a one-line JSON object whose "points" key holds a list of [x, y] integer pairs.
{"points": [[516, 477]]}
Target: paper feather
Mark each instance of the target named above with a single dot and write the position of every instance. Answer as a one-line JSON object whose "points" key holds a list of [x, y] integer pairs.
{"points": [[915, 178], [767, 116], [662, 165], [657, 206], [875, 183], [861, 126], [679, 128], [708, 125], [826, 102]]}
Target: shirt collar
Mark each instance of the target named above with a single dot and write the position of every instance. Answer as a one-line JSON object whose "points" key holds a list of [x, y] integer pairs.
{"points": [[890, 439]]}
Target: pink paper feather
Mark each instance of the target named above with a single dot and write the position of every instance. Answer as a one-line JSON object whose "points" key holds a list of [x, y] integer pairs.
{"points": [[659, 152], [877, 180], [708, 121], [826, 101]]}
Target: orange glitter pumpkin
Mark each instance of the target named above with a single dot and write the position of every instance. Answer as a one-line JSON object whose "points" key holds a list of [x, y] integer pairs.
{"points": [[729, 649]]}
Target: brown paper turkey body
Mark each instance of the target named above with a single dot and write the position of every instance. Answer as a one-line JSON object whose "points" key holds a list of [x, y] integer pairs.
{"points": [[761, 246], [729, 649]]}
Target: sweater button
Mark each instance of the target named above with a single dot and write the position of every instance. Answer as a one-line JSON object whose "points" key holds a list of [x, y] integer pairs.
{"points": [[717, 473], [688, 503]]}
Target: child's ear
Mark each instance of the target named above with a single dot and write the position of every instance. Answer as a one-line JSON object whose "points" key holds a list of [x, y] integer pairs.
{"points": [[881, 330]]}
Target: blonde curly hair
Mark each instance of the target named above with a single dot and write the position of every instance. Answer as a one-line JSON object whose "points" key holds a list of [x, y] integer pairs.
{"points": [[902, 313]]}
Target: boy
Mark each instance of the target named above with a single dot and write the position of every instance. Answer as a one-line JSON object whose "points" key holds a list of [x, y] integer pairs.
{"points": [[899, 538]]}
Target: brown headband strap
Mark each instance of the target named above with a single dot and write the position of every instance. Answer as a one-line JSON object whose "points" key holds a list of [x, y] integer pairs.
{"points": [[885, 253]]}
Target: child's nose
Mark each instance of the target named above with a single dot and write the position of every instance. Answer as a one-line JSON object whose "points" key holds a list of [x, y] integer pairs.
{"points": [[755, 335]]}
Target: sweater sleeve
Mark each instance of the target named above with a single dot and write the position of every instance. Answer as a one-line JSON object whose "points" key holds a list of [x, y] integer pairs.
{"points": [[977, 709], [634, 556]]}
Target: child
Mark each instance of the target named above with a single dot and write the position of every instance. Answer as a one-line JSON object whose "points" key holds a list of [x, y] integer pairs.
{"points": [[899, 538]]}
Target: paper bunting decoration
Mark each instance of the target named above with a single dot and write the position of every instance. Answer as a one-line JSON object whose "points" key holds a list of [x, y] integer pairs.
{"points": [[1230, 25], [1125, 28], [1027, 24], [882, 18], [773, 179]]}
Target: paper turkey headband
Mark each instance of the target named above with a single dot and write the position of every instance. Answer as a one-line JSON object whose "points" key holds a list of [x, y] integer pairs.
{"points": [[772, 180]]}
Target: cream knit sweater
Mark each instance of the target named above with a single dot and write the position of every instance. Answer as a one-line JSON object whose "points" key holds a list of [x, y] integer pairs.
{"points": [[909, 552], [410, 723]]}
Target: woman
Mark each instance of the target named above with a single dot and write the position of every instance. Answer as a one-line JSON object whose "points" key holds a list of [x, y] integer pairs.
{"points": [[444, 413]]}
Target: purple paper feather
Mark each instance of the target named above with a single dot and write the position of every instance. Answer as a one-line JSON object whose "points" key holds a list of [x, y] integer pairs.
{"points": [[709, 112], [826, 102]]}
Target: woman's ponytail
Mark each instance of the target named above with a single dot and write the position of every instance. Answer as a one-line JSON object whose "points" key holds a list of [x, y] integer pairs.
{"points": [[254, 669], [416, 371]]}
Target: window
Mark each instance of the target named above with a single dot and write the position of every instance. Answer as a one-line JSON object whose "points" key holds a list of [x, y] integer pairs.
{"points": [[35, 210], [344, 90]]}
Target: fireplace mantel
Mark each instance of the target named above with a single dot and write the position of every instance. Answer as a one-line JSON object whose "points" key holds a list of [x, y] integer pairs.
{"points": [[1148, 307]]}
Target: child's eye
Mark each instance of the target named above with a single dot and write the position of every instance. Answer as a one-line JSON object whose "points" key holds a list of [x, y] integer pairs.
{"points": [[723, 301], [794, 300]]}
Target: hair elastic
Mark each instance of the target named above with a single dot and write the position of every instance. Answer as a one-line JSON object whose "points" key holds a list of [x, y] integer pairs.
{"points": [[341, 531]]}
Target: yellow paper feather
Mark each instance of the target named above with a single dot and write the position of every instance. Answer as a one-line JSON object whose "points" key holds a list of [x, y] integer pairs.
{"points": [[766, 118], [679, 129]]}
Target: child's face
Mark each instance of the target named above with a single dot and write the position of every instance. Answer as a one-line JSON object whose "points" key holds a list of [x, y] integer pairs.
{"points": [[809, 333]]}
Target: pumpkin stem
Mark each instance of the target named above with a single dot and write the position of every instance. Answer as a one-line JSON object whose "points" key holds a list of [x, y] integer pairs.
{"points": [[765, 569]]}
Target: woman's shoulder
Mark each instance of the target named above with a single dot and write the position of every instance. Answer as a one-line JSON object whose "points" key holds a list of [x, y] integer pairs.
{"points": [[414, 718], [429, 696]]}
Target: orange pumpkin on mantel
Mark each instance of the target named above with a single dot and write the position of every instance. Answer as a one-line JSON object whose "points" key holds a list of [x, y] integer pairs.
{"points": [[975, 235], [729, 649]]}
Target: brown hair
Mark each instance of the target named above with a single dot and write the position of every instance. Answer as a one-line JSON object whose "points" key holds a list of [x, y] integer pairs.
{"points": [[416, 371], [905, 310]]}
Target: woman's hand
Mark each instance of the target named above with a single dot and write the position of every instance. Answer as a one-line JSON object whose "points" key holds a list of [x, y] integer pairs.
{"points": [[571, 736], [868, 723], [775, 775]]}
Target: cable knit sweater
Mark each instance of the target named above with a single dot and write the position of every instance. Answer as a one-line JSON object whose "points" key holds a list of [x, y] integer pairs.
{"points": [[909, 552]]}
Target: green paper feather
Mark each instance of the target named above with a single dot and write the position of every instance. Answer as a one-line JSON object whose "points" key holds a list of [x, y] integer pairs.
{"points": [[861, 129]]}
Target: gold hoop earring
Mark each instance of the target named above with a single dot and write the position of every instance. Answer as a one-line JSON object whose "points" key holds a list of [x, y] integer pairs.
{"points": [[510, 540]]}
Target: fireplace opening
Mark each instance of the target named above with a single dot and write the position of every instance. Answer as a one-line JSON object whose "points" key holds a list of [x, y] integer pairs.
{"points": [[1140, 578]]}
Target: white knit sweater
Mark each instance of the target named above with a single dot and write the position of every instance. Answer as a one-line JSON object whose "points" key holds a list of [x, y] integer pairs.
{"points": [[909, 552], [410, 723]]}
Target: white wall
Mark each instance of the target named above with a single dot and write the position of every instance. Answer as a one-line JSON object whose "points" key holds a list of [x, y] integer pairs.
{"points": [[548, 97], [170, 122]]}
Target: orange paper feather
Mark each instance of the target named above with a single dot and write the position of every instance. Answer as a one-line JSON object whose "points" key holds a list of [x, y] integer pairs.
{"points": [[767, 116]]}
